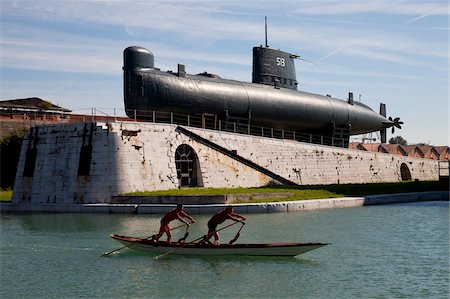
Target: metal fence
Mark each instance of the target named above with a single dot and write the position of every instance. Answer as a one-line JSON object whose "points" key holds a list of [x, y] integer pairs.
{"points": [[204, 121], [212, 122]]}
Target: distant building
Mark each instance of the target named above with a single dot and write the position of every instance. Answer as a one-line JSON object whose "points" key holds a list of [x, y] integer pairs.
{"points": [[415, 151], [28, 112], [443, 152], [31, 107], [20, 113]]}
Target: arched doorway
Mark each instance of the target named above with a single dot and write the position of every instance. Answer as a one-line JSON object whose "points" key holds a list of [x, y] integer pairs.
{"points": [[405, 173], [188, 167]]}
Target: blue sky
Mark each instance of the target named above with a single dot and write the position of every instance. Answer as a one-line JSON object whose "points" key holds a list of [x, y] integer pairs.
{"points": [[395, 52]]}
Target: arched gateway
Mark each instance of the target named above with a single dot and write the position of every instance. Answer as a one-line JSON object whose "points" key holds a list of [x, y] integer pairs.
{"points": [[188, 167], [405, 173]]}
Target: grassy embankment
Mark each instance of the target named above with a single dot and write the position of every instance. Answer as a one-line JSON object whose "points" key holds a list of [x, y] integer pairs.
{"points": [[312, 191], [298, 192]]}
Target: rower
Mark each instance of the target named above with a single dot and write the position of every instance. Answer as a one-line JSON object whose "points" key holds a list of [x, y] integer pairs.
{"points": [[177, 213], [218, 218]]}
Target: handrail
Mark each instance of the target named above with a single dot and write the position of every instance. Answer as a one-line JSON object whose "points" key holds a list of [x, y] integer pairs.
{"points": [[206, 121], [213, 123]]}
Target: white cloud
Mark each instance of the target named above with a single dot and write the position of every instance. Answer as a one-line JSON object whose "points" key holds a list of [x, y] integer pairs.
{"points": [[356, 42], [398, 7], [192, 20]]}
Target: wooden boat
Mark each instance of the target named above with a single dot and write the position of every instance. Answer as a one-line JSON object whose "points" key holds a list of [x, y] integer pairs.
{"points": [[268, 249]]}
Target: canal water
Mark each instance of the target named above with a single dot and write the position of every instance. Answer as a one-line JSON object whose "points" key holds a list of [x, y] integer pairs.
{"points": [[389, 251]]}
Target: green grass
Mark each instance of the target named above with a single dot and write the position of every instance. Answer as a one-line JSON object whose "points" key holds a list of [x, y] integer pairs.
{"points": [[310, 191], [298, 192], [5, 195]]}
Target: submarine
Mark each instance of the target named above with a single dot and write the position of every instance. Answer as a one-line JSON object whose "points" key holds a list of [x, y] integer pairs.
{"points": [[270, 100]]}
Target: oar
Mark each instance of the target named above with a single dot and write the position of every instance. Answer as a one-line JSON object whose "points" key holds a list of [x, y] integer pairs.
{"points": [[115, 250], [185, 235], [192, 242], [237, 235]]}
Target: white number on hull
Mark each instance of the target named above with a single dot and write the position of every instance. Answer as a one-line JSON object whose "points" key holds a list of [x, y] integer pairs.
{"points": [[280, 61]]}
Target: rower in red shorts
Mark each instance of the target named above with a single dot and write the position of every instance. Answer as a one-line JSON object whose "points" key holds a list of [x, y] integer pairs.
{"points": [[176, 213], [220, 217]]}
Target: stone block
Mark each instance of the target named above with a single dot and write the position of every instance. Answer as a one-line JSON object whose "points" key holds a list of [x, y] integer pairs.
{"points": [[295, 206], [313, 204], [128, 208], [277, 207], [348, 202], [251, 209], [95, 208]]}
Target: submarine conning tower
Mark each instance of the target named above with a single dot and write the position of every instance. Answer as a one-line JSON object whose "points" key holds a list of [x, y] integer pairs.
{"points": [[135, 58], [274, 67]]}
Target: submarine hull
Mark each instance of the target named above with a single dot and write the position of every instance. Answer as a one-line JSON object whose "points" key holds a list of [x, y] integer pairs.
{"points": [[149, 89]]}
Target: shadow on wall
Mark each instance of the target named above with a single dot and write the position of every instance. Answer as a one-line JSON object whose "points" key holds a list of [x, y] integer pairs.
{"points": [[10, 153], [73, 163]]}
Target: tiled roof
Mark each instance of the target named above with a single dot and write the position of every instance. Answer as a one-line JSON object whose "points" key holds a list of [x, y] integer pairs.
{"points": [[423, 151], [442, 149], [424, 148], [408, 148], [31, 103]]}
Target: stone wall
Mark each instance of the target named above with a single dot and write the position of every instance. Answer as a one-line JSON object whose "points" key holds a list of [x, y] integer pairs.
{"points": [[90, 162], [310, 164]]}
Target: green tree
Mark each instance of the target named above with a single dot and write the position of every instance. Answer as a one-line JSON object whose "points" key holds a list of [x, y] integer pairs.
{"points": [[398, 140], [9, 157]]}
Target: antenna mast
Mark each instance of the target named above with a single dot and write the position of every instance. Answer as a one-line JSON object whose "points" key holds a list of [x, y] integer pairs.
{"points": [[265, 18]]}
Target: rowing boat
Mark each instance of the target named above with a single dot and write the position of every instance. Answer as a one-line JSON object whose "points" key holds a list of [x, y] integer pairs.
{"points": [[267, 249]]}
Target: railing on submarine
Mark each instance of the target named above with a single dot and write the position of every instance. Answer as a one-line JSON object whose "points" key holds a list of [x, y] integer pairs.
{"points": [[212, 122]]}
